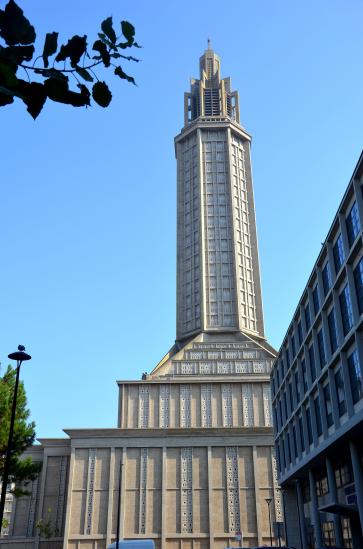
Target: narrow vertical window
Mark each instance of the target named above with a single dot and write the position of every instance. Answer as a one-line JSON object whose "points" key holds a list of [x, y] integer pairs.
{"points": [[358, 280], [346, 309], [302, 440], [316, 300], [297, 386], [321, 348], [309, 426], [355, 376], [299, 332], [338, 253], [326, 275], [319, 426], [332, 331], [352, 224], [328, 405], [312, 363], [307, 317], [304, 376], [339, 386]]}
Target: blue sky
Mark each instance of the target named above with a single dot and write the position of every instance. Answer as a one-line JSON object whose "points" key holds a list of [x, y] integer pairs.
{"points": [[88, 202]]}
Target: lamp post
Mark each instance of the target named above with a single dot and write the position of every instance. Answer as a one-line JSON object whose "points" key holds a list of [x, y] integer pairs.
{"points": [[268, 501], [20, 356]]}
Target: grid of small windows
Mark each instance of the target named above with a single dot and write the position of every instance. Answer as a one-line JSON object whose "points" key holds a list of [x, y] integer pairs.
{"points": [[358, 280], [312, 363], [243, 225], [355, 376], [316, 301], [321, 347], [352, 224], [332, 331], [328, 405], [328, 533], [346, 309], [343, 475], [326, 276], [219, 273], [339, 386], [338, 253], [322, 487]]}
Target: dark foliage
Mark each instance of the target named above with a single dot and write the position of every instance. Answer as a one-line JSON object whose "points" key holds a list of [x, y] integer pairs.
{"points": [[53, 83]]}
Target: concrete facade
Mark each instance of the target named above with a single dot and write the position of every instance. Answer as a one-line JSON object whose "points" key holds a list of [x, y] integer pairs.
{"points": [[192, 459], [317, 388]]}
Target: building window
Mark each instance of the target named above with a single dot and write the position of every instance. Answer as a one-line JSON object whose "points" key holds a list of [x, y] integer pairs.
{"points": [[293, 346], [302, 440], [312, 363], [304, 376], [343, 475], [358, 279], [346, 309], [307, 317], [355, 376], [347, 533], [294, 440], [326, 275], [285, 405], [319, 426], [299, 332], [332, 331], [306, 491], [309, 426], [316, 301], [338, 253], [322, 487], [291, 400], [287, 355], [297, 386], [321, 348], [288, 448], [339, 386], [328, 533], [352, 224], [328, 406]]}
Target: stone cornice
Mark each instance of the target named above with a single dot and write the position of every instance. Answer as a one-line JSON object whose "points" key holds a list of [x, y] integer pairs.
{"points": [[218, 378], [210, 432]]}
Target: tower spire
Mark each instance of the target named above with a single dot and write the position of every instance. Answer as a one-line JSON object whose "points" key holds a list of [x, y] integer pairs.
{"points": [[208, 42]]}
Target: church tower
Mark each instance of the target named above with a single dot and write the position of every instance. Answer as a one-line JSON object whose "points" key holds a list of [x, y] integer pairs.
{"points": [[192, 460], [218, 279]]}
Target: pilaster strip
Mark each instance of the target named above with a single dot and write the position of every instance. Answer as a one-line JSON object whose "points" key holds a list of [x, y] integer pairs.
{"points": [[234, 518], [143, 490], [227, 405], [210, 498], [276, 489], [185, 393], [257, 502], [61, 493], [163, 498], [41, 497], [267, 405], [164, 406], [69, 500], [90, 489], [206, 404], [186, 488], [247, 405], [111, 492], [123, 471], [32, 508], [143, 406]]}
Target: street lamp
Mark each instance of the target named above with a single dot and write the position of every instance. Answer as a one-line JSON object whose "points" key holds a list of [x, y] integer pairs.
{"points": [[20, 356], [268, 501]]}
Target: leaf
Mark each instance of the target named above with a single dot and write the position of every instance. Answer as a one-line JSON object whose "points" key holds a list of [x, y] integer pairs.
{"points": [[7, 76], [74, 49], [102, 49], [57, 90], [106, 41], [50, 46], [107, 28], [84, 74], [15, 55], [14, 27], [128, 31], [6, 97], [119, 72], [101, 94], [34, 96]]}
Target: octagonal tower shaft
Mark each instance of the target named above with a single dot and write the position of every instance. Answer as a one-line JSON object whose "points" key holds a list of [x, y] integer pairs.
{"points": [[218, 278]]}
